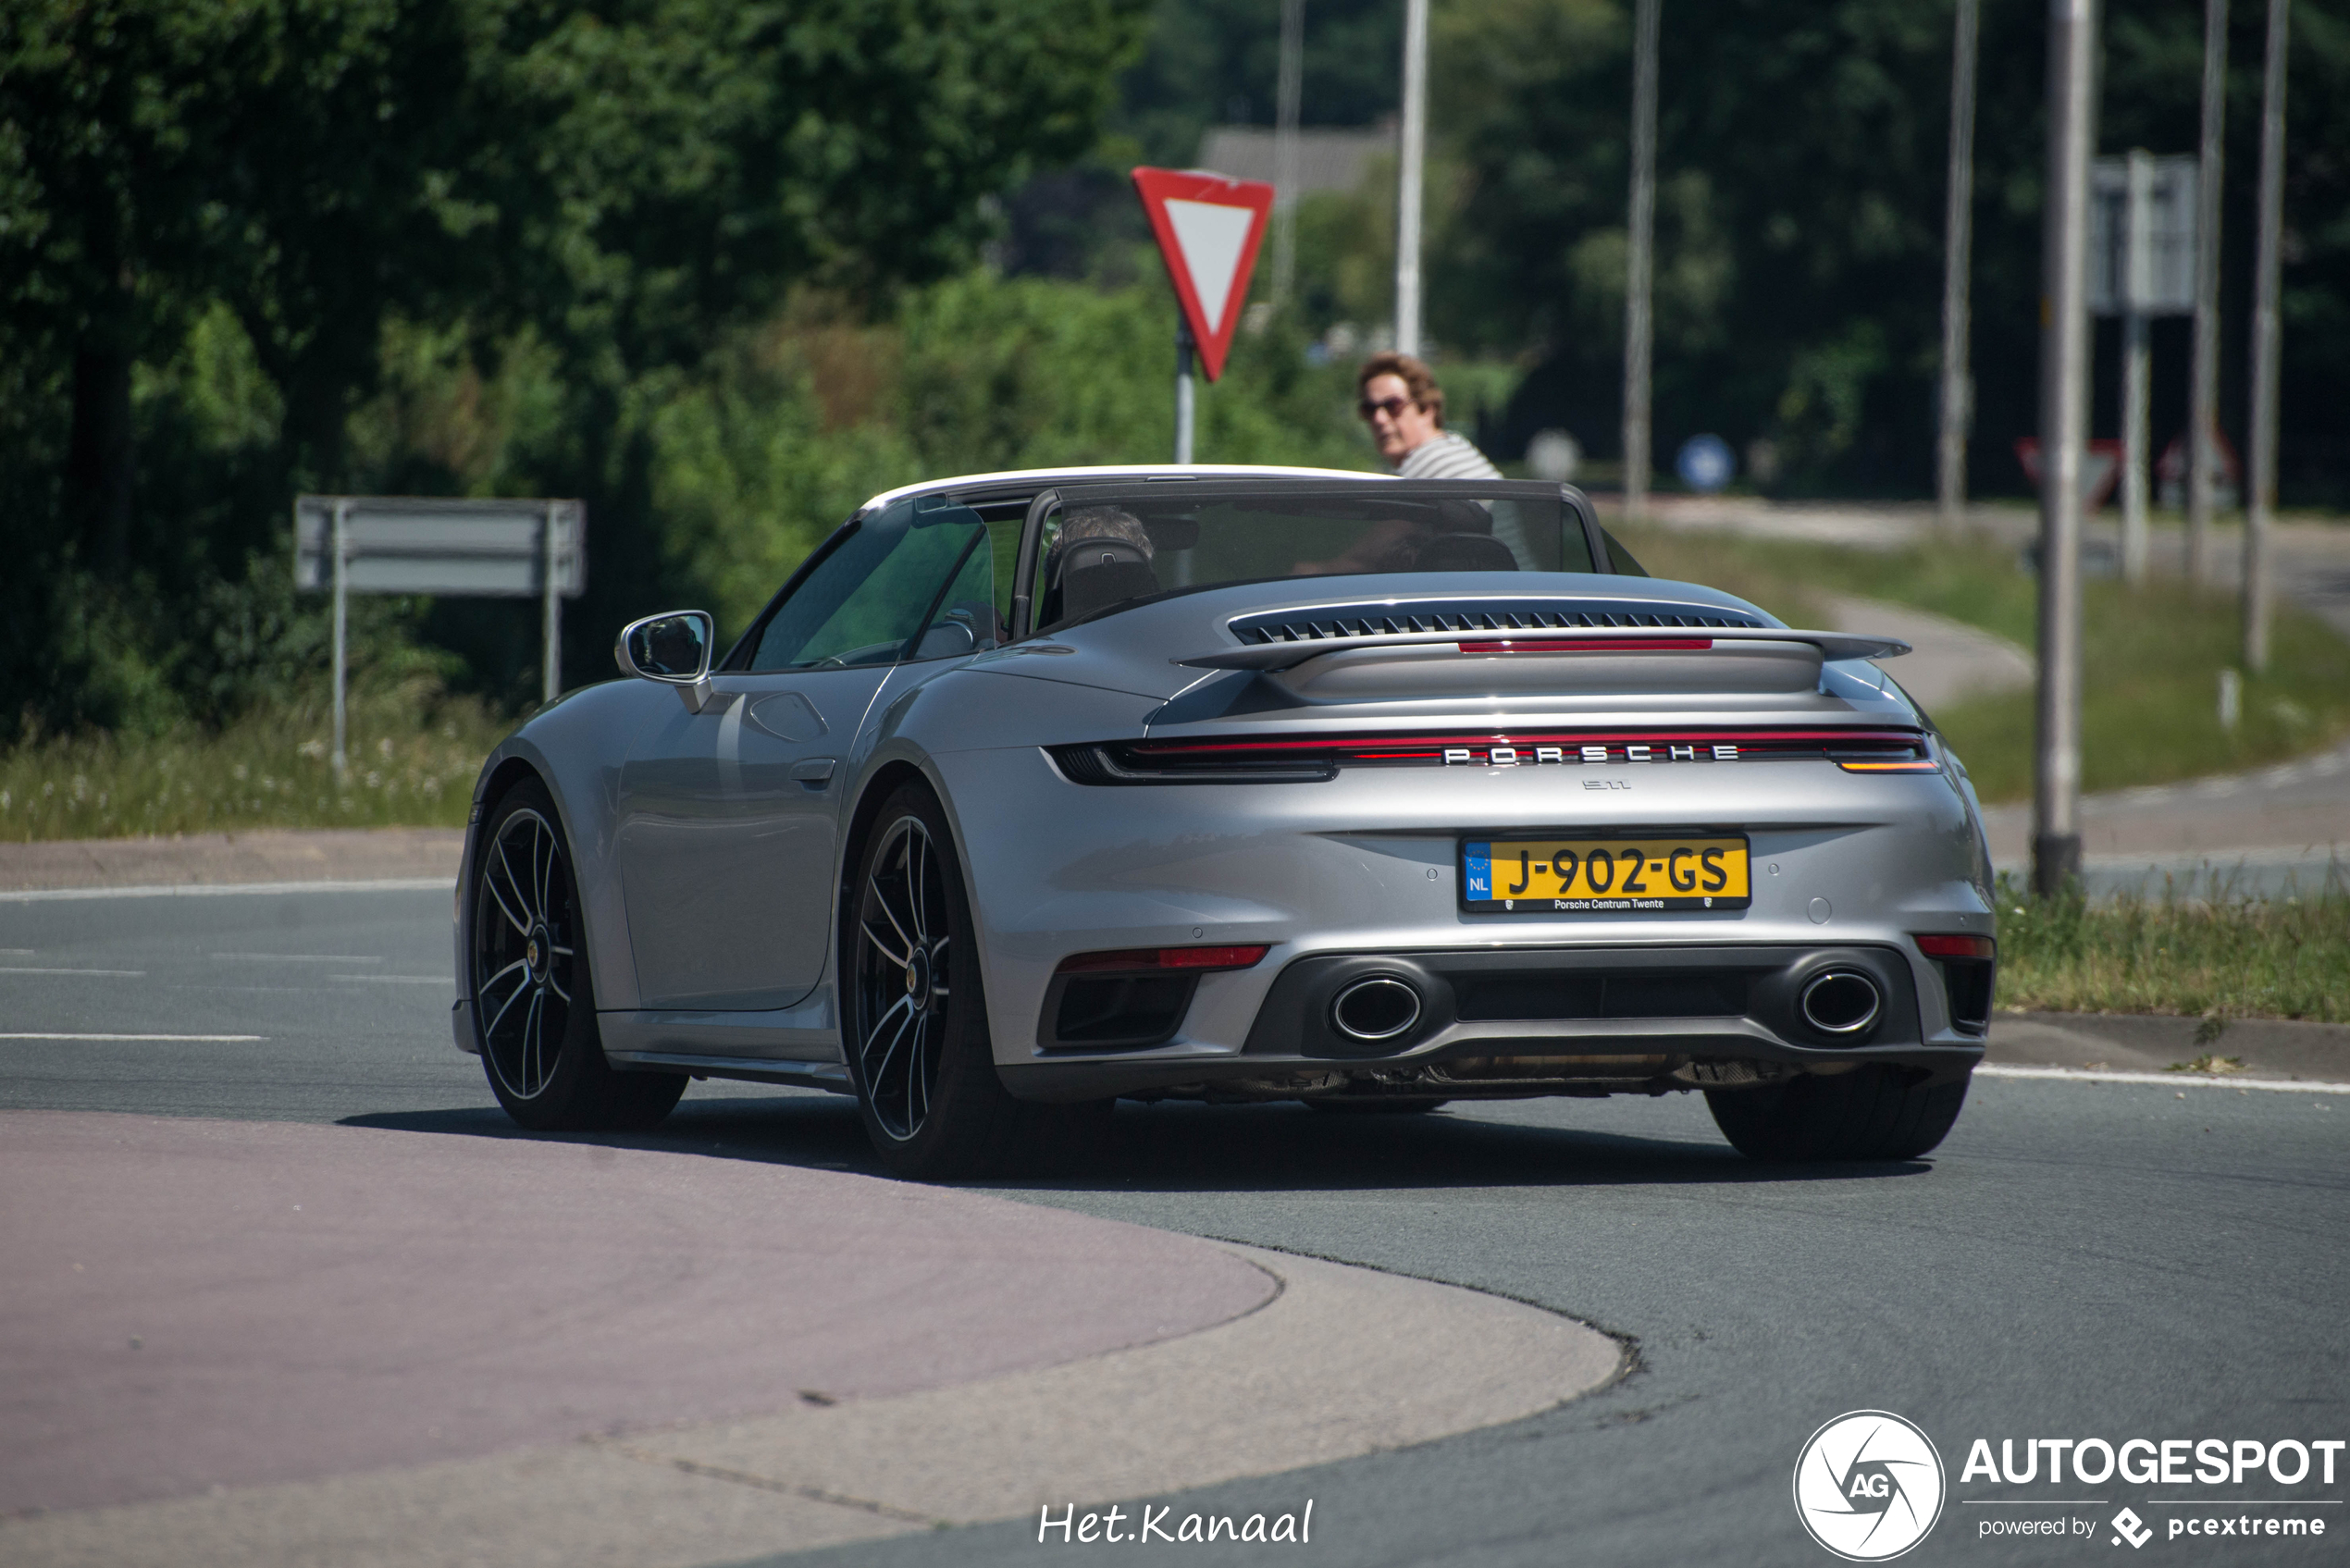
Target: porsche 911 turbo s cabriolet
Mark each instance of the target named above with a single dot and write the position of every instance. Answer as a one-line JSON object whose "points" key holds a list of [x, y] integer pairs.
{"points": [[1033, 791]]}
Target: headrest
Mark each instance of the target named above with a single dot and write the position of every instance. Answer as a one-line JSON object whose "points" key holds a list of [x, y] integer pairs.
{"points": [[1102, 551], [1101, 572]]}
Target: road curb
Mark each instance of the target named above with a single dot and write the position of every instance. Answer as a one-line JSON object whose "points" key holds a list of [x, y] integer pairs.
{"points": [[265, 857]]}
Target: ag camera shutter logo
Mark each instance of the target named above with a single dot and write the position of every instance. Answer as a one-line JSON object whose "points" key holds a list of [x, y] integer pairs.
{"points": [[1869, 1486]]}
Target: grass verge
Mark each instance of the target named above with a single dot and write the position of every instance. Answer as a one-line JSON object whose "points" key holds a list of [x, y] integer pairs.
{"points": [[2152, 655], [2213, 956], [413, 756]]}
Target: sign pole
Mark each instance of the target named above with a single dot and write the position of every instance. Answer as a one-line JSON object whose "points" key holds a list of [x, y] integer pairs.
{"points": [[1183, 412], [2137, 287], [1636, 321], [1411, 154], [2260, 495], [2203, 416], [554, 657], [2056, 834], [1958, 216], [342, 557], [1290, 91]]}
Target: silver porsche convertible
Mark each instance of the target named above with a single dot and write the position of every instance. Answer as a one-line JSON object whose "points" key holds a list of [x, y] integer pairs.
{"points": [[1030, 791]]}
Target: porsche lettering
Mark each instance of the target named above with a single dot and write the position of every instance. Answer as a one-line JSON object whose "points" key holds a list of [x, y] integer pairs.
{"points": [[1634, 751]]}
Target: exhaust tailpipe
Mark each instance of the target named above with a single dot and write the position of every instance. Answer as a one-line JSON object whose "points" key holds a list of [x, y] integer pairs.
{"points": [[1842, 1001], [1377, 1007]]}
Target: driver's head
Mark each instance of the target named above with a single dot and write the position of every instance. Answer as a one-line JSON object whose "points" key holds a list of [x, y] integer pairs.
{"points": [[1098, 522]]}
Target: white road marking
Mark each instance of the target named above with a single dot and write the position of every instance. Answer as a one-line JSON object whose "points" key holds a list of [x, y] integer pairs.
{"points": [[123, 974], [200, 1039], [222, 890], [298, 957], [2170, 1079]]}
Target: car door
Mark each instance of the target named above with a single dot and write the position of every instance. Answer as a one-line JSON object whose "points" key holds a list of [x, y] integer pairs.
{"points": [[728, 827], [728, 819]]}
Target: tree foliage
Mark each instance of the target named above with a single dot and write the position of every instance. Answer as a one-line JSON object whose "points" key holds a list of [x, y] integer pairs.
{"points": [[620, 182]]}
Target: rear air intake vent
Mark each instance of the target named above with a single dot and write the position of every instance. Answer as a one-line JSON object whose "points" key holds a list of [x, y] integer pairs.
{"points": [[1337, 624], [1554, 994]]}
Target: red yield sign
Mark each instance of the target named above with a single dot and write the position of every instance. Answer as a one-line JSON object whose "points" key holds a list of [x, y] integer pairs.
{"points": [[1208, 229]]}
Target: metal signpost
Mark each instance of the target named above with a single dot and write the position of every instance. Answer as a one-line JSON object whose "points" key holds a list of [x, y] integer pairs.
{"points": [[1411, 154], [2260, 498], [1640, 251], [2142, 261], [1290, 92], [412, 545], [2064, 418], [2203, 397], [1208, 228], [1958, 216]]}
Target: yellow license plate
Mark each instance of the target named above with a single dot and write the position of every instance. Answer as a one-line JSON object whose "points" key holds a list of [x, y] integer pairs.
{"points": [[1541, 876]]}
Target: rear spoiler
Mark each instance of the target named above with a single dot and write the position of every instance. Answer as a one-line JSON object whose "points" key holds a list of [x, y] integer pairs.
{"points": [[1576, 640]]}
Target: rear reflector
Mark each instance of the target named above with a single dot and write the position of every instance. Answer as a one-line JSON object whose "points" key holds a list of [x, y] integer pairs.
{"points": [[1158, 959], [1957, 947], [1588, 645]]}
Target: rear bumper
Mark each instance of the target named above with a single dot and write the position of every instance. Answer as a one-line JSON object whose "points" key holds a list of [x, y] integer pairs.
{"points": [[1514, 1022], [1367, 866]]}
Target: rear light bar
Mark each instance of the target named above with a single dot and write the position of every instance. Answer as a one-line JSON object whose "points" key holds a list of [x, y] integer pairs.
{"points": [[1148, 960], [1316, 758], [1654, 744], [1939, 946], [1589, 645]]}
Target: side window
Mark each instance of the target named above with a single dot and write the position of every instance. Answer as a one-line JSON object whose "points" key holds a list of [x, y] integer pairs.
{"points": [[967, 618], [864, 604]]}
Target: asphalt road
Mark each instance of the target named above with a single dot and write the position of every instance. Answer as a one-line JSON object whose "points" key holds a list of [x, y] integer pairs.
{"points": [[2077, 1261]]}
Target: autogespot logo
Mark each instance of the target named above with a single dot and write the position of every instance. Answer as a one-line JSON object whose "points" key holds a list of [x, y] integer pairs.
{"points": [[1868, 1486]]}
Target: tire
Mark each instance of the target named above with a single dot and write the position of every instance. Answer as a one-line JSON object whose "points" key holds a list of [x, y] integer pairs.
{"points": [[1399, 1106], [918, 1051], [1874, 1113], [534, 998]]}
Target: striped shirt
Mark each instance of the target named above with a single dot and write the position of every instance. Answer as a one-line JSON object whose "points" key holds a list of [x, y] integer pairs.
{"points": [[1446, 457]]}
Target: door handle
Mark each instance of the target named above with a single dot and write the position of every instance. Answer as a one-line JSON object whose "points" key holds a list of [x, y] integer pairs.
{"points": [[815, 772]]}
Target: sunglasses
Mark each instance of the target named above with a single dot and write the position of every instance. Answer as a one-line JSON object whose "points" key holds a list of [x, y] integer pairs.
{"points": [[1392, 407]]}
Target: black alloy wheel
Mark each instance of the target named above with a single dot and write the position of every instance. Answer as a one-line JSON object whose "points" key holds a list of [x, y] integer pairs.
{"points": [[905, 977], [534, 1005], [919, 1050]]}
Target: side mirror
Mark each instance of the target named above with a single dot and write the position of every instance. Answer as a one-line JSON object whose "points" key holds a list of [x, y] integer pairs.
{"points": [[949, 637], [672, 649]]}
